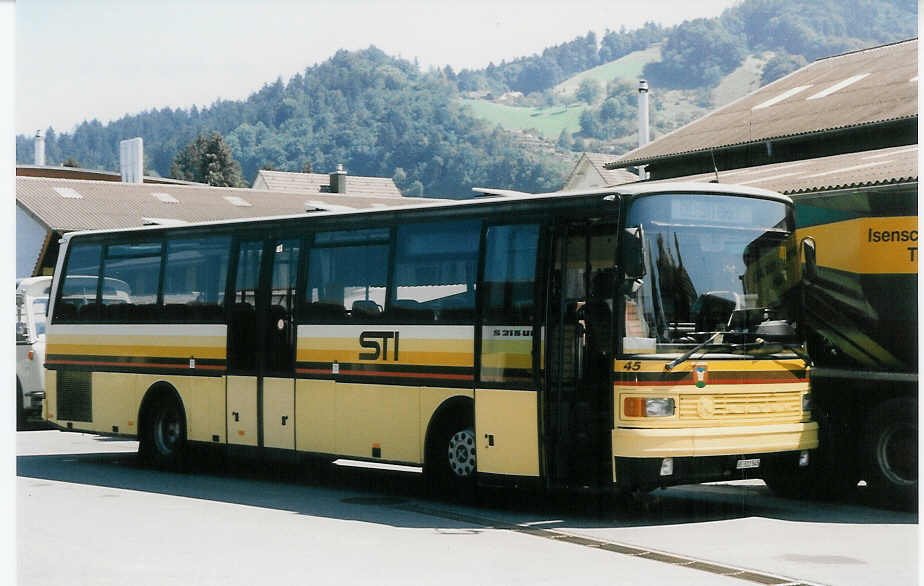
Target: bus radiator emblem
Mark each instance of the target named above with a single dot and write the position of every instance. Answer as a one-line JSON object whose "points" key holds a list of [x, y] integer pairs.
{"points": [[705, 408], [700, 374]]}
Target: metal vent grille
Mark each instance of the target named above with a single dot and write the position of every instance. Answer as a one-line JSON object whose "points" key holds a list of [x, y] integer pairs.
{"points": [[74, 396], [741, 406]]}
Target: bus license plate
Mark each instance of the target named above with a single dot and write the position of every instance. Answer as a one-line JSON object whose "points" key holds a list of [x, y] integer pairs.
{"points": [[752, 463]]}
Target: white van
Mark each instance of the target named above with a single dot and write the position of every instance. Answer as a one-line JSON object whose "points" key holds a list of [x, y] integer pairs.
{"points": [[31, 305]]}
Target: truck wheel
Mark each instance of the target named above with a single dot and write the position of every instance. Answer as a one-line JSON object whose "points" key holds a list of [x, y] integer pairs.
{"points": [[163, 435], [890, 443], [20, 410]]}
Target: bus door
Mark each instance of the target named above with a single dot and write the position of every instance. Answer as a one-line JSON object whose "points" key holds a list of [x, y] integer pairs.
{"points": [[579, 353], [261, 344]]}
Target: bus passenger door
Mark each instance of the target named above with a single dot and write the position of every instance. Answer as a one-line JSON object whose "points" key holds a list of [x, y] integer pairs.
{"points": [[261, 343], [243, 352], [578, 353], [278, 396], [506, 397]]}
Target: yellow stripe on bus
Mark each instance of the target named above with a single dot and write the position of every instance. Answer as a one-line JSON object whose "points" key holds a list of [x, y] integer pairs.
{"points": [[137, 351], [764, 365]]}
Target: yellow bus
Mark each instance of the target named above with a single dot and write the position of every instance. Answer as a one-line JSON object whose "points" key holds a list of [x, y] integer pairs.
{"points": [[613, 340]]}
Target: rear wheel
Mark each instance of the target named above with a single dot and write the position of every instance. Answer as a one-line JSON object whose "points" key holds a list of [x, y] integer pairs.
{"points": [[890, 444], [451, 459], [163, 435]]}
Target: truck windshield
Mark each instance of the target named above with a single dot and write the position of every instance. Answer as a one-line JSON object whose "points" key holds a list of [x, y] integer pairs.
{"points": [[712, 263]]}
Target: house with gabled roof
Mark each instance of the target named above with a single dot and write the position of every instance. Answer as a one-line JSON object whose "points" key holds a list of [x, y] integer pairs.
{"points": [[590, 172], [337, 182]]}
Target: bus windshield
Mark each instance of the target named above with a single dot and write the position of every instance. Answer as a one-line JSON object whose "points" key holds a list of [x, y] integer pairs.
{"points": [[711, 263]]}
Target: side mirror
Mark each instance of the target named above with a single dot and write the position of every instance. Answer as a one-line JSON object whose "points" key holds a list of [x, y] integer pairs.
{"points": [[633, 253], [807, 252]]}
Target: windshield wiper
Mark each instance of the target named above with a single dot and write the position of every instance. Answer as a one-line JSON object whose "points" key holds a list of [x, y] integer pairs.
{"points": [[775, 347], [686, 355], [758, 343]]}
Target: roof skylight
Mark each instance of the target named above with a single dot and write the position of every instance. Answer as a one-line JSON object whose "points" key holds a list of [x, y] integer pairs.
{"points": [[238, 201], [838, 86], [787, 94], [68, 192], [165, 197]]}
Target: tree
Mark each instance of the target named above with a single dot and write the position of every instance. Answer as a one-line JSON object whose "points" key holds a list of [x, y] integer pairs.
{"points": [[208, 160], [306, 168], [71, 162], [589, 91], [565, 141], [779, 66]]}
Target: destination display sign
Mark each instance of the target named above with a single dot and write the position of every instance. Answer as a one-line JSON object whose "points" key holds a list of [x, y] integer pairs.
{"points": [[712, 210]]}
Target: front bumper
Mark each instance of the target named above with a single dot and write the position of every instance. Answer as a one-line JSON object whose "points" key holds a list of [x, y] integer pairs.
{"points": [[645, 473], [704, 454], [714, 441], [32, 401]]}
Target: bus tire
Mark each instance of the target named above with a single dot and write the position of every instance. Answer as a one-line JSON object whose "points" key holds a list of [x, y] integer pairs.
{"points": [[450, 462], [163, 433], [890, 442]]}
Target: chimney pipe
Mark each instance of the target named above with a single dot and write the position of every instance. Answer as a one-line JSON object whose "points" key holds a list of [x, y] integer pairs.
{"points": [[338, 180], [131, 160], [642, 121], [642, 113], [39, 149]]}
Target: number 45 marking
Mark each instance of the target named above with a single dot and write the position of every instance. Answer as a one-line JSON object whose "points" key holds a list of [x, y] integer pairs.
{"points": [[632, 365]]}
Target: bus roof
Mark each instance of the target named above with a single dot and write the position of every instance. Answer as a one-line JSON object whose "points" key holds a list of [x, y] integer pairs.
{"points": [[492, 197]]}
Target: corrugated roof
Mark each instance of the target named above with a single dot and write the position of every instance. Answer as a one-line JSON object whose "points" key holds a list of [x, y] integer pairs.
{"points": [[855, 89], [108, 205], [88, 174], [312, 182], [875, 167]]}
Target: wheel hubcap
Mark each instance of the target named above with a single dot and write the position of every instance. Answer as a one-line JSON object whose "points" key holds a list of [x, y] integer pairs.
{"points": [[167, 431], [462, 453]]}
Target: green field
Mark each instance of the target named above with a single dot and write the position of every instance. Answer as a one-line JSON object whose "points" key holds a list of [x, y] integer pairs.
{"points": [[551, 121], [628, 68], [548, 121]]}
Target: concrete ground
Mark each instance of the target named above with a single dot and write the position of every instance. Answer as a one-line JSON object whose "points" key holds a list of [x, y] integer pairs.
{"points": [[87, 513]]}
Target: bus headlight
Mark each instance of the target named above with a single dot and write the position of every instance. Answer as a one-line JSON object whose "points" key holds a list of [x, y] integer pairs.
{"points": [[648, 407]]}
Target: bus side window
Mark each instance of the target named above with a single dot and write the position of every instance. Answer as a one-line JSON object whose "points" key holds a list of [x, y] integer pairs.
{"points": [[194, 278], [78, 288], [345, 283], [434, 273], [508, 299], [131, 276]]}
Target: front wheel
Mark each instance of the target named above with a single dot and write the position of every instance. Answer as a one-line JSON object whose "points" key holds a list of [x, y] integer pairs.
{"points": [[890, 444], [451, 460], [163, 436]]}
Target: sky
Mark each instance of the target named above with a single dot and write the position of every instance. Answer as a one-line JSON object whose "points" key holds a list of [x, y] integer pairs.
{"points": [[80, 60]]}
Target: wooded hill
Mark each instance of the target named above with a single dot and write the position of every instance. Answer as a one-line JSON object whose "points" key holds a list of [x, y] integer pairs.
{"points": [[438, 132]]}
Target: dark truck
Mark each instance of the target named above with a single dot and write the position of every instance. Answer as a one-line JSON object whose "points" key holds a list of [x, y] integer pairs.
{"points": [[859, 317]]}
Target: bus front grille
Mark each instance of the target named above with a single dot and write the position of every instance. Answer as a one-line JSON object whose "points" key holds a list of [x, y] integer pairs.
{"points": [[743, 406]]}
